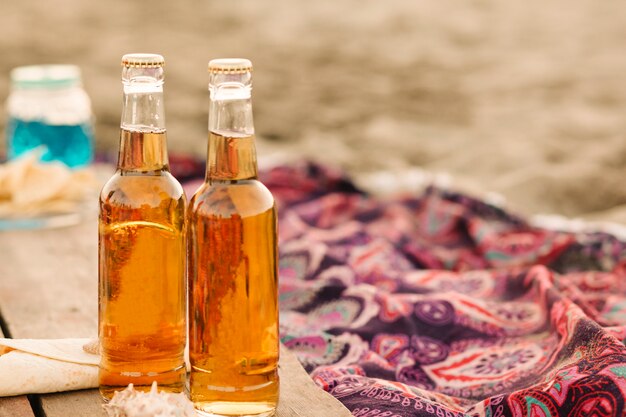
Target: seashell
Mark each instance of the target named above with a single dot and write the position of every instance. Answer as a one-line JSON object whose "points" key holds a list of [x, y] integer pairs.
{"points": [[133, 403]]}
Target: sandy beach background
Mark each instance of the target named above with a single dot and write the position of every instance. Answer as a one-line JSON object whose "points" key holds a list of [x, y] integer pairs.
{"points": [[525, 99]]}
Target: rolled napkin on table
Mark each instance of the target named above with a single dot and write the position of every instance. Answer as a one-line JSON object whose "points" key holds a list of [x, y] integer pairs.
{"points": [[36, 366]]}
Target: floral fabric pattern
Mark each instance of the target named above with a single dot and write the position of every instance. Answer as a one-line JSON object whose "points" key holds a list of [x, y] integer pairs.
{"points": [[443, 305]]}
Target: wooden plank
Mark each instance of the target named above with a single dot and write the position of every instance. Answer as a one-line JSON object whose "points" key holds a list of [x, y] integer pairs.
{"points": [[299, 396], [15, 406], [49, 281], [48, 289], [73, 404]]}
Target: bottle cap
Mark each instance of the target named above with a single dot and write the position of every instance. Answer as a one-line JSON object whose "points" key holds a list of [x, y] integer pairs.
{"points": [[143, 61], [45, 76], [230, 66]]}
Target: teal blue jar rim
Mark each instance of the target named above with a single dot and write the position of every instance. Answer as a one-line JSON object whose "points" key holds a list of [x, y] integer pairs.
{"points": [[45, 76]]}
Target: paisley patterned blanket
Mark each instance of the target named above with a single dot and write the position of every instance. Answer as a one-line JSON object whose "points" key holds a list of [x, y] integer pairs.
{"points": [[443, 305]]}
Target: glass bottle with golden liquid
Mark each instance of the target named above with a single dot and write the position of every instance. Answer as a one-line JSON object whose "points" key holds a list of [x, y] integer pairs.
{"points": [[232, 264], [142, 293]]}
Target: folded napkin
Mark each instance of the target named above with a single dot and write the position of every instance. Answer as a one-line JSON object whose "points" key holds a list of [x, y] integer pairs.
{"points": [[35, 366]]}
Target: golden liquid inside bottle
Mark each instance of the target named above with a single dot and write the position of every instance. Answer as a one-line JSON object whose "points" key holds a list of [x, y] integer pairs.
{"points": [[142, 260], [233, 309]]}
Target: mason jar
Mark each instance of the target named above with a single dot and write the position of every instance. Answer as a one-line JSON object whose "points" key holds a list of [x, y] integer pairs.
{"points": [[49, 112]]}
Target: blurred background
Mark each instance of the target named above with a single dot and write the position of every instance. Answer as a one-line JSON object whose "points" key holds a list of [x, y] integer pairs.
{"points": [[526, 99]]}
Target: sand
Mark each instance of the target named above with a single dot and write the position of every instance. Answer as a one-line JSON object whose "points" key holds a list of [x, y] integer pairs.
{"points": [[523, 99]]}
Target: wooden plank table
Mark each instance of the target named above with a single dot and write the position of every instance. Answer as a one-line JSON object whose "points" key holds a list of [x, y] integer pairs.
{"points": [[15, 406], [48, 289]]}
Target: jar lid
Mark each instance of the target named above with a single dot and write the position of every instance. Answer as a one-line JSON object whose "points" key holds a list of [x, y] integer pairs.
{"points": [[143, 61], [45, 76], [230, 65]]}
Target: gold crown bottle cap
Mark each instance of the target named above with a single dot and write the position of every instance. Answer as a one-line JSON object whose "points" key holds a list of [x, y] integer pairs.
{"points": [[142, 61], [230, 66]]}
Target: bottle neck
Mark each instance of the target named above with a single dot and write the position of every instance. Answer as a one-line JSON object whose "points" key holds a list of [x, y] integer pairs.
{"points": [[143, 143], [143, 108], [231, 148], [142, 151]]}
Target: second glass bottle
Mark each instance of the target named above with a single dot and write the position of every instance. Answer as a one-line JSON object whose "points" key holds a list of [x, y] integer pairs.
{"points": [[233, 301]]}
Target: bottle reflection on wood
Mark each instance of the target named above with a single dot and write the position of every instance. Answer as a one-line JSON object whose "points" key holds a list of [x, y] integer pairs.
{"points": [[233, 305], [141, 247]]}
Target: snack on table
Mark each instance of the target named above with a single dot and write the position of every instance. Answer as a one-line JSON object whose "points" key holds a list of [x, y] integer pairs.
{"points": [[29, 187], [132, 403]]}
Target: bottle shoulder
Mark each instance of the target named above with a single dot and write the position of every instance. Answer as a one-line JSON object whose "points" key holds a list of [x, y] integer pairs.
{"points": [[137, 188], [243, 197]]}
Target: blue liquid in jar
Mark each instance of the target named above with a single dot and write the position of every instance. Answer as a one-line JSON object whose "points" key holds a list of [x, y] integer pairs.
{"points": [[70, 144]]}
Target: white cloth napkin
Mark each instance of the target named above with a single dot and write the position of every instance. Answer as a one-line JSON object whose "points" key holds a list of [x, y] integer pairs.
{"points": [[35, 366]]}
